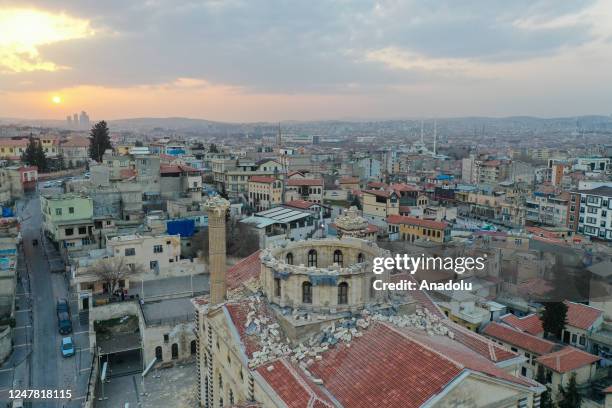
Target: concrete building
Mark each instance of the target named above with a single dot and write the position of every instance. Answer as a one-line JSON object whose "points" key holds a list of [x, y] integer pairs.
{"points": [[304, 189], [378, 205], [595, 214], [68, 220], [406, 228], [264, 192]]}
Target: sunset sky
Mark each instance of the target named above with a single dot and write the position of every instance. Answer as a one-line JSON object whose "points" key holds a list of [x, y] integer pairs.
{"points": [[235, 60]]}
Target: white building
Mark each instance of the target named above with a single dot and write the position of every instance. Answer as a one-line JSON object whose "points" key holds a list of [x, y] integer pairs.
{"points": [[595, 218]]}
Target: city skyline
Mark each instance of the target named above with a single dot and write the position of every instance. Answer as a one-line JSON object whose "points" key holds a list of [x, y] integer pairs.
{"points": [[238, 62]]}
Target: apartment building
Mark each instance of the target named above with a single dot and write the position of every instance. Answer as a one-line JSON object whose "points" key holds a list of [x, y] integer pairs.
{"points": [[304, 189], [68, 220], [595, 213], [378, 205], [232, 176], [155, 254], [264, 192], [548, 209], [410, 229]]}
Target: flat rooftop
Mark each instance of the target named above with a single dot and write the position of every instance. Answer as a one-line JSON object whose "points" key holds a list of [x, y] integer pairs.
{"points": [[169, 311]]}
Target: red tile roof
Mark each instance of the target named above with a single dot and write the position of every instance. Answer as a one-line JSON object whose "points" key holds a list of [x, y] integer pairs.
{"points": [[518, 338], [292, 386], [238, 312], [581, 316], [376, 184], [14, 142], [404, 187], [127, 173], [262, 179], [379, 193], [479, 344], [169, 168], [530, 324], [305, 182], [407, 220], [384, 368], [567, 359], [245, 269], [349, 180], [302, 204], [76, 142]]}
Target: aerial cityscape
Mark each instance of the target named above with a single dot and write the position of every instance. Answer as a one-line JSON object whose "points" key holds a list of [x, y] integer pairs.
{"points": [[282, 204]]}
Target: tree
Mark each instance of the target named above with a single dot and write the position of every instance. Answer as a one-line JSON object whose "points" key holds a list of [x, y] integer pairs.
{"points": [[213, 148], [569, 396], [112, 270], [240, 240], [99, 141], [138, 143], [29, 156], [546, 397], [34, 155], [554, 318]]}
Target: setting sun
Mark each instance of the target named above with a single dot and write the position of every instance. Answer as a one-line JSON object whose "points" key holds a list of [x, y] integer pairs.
{"points": [[56, 99]]}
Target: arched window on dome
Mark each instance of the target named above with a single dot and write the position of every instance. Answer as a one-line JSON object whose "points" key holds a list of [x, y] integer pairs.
{"points": [[312, 258], [289, 258], [338, 257], [360, 258]]}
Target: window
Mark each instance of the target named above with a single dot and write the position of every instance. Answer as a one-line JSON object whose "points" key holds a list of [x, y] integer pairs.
{"points": [[193, 347], [130, 251], [153, 265], [70, 210], [360, 258], [158, 249], [159, 354], [343, 293], [166, 338], [69, 231], [338, 257], [289, 258], [174, 351], [231, 397], [82, 230], [312, 258], [574, 338], [277, 287], [582, 340], [306, 292], [58, 211]]}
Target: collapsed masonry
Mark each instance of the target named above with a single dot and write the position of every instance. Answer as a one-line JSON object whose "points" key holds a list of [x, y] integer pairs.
{"points": [[273, 345]]}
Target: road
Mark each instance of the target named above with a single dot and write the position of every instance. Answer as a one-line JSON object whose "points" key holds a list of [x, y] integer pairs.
{"points": [[48, 369]]}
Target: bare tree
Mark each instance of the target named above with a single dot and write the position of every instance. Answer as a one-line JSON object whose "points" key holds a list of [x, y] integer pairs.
{"points": [[112, 270], [241, 240]]}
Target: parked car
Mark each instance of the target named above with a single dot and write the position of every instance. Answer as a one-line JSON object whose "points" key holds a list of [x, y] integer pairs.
{"points": [[49, 184], [67, 347], [64, 323], [62, 305], [63, 316]]}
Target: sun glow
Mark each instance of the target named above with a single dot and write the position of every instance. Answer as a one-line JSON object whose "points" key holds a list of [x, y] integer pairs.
{"points": [[56, 99], [24, 30]]}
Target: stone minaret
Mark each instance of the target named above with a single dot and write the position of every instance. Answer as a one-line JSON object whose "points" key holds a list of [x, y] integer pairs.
{"points": [[217, 210]]}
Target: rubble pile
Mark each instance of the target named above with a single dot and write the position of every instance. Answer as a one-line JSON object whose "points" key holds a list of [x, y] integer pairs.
{"points": [[273, 345]]}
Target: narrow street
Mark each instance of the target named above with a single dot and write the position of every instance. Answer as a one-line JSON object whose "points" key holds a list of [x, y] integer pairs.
{"points": [[47, 369]]}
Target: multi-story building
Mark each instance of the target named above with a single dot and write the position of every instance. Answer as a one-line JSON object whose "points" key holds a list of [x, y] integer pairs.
{"points": [[378, 205], [548, 209], [232, 176], [12, 149], [304, 189], [68, 220], [264, 192], [75, 151], [595, 214], [407, 228], [153, 254]]}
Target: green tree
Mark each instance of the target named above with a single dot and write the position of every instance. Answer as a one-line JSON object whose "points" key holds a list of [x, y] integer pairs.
{"points": [[34, 155], [546, 397], [569, 395], [213, 148], [554, 318], [99, 141], [41, 158], [29, 156]]}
